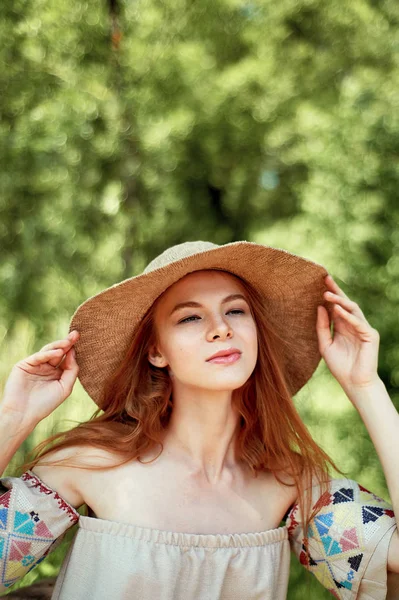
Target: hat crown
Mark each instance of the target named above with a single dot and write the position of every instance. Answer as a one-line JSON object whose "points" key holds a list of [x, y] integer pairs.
{"points": [[177, 252]]}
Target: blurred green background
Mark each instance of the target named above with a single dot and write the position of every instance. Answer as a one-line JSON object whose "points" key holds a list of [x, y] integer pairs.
{"points": [[127, 127]]}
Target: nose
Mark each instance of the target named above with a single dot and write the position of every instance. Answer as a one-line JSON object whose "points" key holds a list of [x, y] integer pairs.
{"points": [[220, 328]]}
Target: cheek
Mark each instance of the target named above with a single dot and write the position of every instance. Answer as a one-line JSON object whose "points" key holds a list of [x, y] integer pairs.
{"points": [[186, 347], [181, 346], [251, 338], [184, 361], [250, 332]]}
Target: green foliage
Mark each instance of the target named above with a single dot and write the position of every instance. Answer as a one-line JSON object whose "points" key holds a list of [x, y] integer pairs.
{"points": [[127, 127]]}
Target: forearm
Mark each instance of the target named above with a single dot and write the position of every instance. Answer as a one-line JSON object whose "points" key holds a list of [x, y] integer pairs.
{"points": [[12, 437], [382, 422]]}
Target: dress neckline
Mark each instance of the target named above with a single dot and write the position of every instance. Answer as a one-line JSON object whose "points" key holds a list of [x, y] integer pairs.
{"points": [[162, 536]]}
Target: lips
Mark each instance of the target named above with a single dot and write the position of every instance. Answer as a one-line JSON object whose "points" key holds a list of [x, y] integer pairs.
{"points": [[225, 353]]}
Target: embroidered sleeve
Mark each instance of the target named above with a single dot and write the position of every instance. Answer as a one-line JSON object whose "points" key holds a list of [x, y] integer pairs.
{"points": [[348, 540], [33, 521]]}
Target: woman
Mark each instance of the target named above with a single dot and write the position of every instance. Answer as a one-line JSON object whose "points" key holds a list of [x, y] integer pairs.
{"points": [[199, 453]]}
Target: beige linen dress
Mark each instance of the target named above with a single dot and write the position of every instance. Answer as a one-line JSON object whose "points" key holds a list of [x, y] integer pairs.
{"points": [[348, 541]]}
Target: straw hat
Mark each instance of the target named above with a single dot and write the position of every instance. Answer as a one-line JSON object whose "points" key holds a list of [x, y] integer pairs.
{"points": [[292, 287]]}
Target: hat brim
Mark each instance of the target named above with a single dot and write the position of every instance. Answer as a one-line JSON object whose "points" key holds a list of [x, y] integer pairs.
{"points": [[292, 286]]}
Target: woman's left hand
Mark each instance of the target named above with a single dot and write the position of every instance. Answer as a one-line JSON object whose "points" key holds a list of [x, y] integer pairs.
{"points": [[352, 355]]}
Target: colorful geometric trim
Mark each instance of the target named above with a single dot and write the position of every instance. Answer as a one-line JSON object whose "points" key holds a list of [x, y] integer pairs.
{"points": [[37, 483], [342, 536], [33, 518]]}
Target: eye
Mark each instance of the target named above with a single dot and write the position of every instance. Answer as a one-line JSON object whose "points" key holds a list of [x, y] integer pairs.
{"points": [[188, 319]]}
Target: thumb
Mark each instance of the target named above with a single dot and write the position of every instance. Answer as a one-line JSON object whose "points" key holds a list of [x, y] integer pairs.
{"points": [[70, 371], [323, 329]]}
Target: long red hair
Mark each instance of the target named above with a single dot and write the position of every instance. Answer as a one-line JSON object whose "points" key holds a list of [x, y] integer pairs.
{"points": [[138, 400]]}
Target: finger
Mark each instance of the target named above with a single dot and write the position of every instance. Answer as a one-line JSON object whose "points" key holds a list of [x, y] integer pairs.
{"points": [[58, 357], [346, 303], [359, 324], [44, 356], [70, 371], [58, 363], [323, 329], [334, 287], [64, 343]]}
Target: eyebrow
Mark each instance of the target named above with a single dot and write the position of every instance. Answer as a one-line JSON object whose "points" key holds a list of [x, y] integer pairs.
{"points": [[193, 304]]}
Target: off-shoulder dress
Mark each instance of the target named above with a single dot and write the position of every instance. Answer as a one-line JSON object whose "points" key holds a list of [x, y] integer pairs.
{"points": [[348, 542]]}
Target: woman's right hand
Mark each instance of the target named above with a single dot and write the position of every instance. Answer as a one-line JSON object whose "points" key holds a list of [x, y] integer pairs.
{"points": [[38, 384]]}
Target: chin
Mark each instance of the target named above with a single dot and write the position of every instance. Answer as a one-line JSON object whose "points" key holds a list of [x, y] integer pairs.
{"points": [[224, 384]]}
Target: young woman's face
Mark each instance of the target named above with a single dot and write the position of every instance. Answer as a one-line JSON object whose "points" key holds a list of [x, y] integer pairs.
{"points": [[188, 336]]}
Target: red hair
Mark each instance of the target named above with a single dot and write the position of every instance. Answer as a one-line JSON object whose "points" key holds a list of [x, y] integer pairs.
{"points": [[271, 435]]}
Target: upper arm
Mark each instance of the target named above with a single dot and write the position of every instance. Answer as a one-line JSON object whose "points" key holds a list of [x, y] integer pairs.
{"points": [[393, 553], [351, 534], [37, 512], [64, 480]]}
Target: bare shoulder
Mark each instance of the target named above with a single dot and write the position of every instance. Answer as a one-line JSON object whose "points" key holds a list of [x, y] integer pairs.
{"points": [[67, 479], [288, 487]]}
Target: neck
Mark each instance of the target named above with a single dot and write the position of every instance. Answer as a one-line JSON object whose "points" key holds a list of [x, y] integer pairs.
{"points": [[201, 435]]}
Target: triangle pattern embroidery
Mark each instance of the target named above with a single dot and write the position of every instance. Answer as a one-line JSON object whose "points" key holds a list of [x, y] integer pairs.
{"points": [[23, 523], [323, 523], [19, 549], [5, 500], [324, 500], [331, 546], [343, 495], [324, 575], [13, 568], [371, 513], [42, 530], [349, 539], [3, 518], [343, 584], [355, 561]]}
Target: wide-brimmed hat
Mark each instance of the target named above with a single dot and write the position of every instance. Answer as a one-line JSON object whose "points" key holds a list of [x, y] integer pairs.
{"points": [[292, 288]]}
